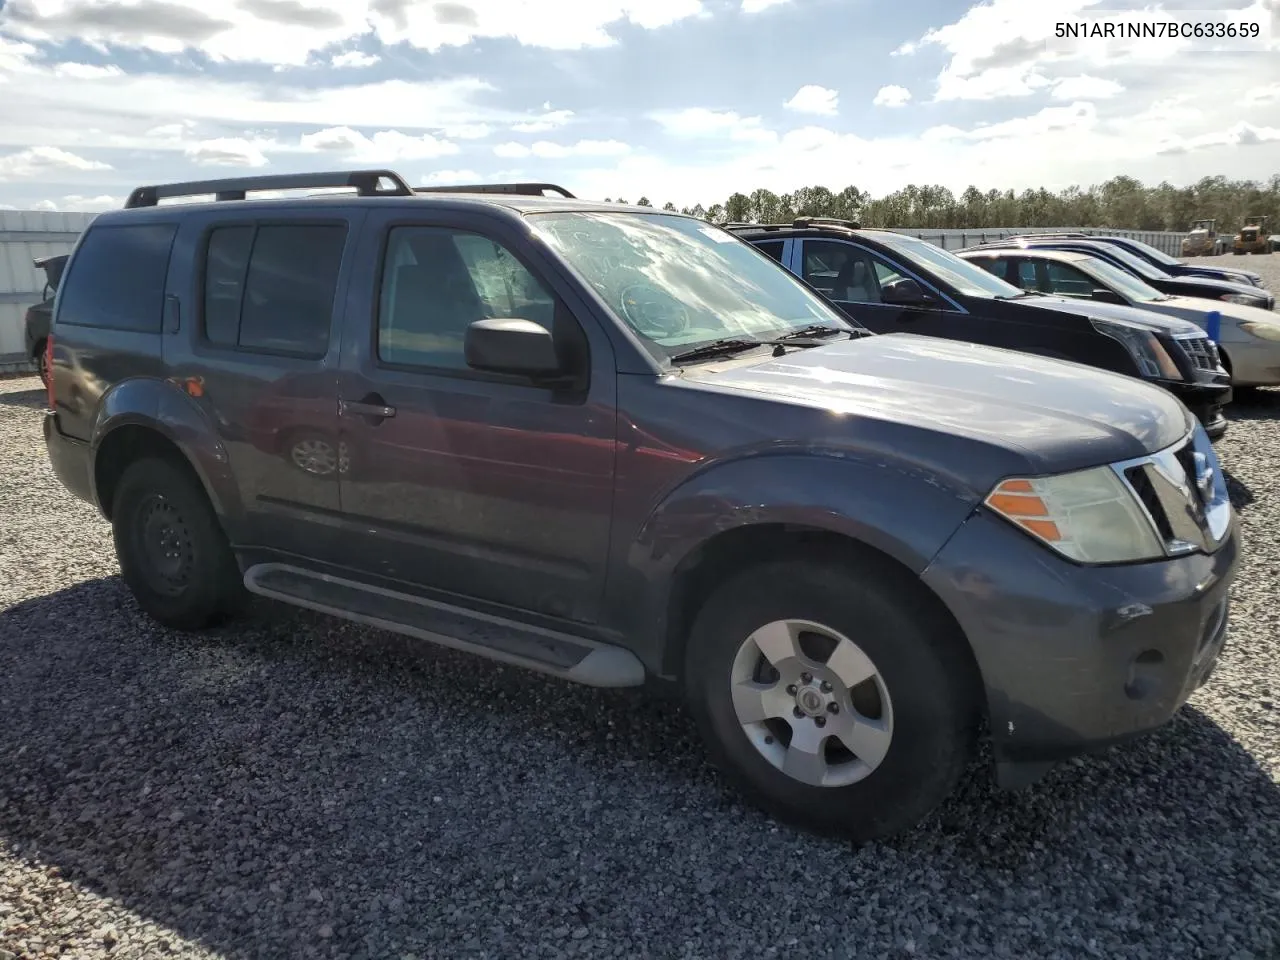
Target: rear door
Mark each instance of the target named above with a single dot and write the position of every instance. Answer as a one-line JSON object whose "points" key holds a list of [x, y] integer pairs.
{"points": [[259, 353], [485, 486]]}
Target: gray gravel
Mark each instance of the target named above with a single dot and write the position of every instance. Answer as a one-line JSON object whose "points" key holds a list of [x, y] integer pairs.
{"points": [[295, 786]]}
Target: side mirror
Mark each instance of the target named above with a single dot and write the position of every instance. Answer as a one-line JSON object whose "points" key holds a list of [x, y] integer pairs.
{"points": [[906, 293], [519, 347], [1103, 295]]}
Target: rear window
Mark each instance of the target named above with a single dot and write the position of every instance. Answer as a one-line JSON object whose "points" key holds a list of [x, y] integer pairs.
{"points": [[117, 278], [270, 288]]}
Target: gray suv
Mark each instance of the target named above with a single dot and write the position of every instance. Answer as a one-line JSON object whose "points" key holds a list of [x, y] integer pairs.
{"points": [[613, 444]]}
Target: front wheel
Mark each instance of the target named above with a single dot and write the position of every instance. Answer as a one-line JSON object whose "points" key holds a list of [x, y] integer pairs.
{"points": [[832, 695]]}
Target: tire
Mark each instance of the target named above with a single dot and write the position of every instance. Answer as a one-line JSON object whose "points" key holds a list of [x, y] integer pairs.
{"points": [[915, 720], [159, 507]]}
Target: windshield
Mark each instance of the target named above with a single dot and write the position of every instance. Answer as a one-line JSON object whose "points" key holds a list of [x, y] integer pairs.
{"points": [[964, 276], [1141, 267], [1121, 280], [1159, 256], [679, 282]]}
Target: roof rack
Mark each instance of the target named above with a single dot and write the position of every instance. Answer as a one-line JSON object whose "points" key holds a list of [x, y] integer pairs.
{"points": [[518, 189], [365, 182], [825, 221]]}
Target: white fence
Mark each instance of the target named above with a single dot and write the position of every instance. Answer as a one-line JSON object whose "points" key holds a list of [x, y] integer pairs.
{"points": [[28, 235]]}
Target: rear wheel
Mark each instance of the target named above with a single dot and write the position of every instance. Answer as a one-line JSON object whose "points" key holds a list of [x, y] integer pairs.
{"points": [[42, 361], [831, 696], [173, 553]]}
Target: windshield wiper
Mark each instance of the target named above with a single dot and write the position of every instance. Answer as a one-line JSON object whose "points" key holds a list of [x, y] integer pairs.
{"points": [[811, 332], [717, 348]]}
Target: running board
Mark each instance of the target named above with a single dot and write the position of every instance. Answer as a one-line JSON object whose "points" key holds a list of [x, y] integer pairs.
{"points": [[534, 648]]}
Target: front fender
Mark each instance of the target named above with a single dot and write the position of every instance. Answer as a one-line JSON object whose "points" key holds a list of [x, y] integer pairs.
{"points": [[903, 509], [164, 407]]}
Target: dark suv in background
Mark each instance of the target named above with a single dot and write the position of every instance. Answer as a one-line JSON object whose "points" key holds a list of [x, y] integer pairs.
{"points": [[610, 443], [40, 315], [891, 282]]}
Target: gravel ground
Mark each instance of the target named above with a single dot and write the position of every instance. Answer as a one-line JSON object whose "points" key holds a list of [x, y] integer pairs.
{"points": [[294, 786]]}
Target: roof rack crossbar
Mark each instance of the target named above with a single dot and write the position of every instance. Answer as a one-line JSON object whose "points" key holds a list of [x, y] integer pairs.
{"points": [[365, 182], [835, 221], [520, 189]]}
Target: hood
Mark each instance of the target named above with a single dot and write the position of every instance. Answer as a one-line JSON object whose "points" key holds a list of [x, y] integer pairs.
{"points": [[1134, 316], [52, 267], [1197, 309], [1054, 415], [1246, 277], [1221, 287]]}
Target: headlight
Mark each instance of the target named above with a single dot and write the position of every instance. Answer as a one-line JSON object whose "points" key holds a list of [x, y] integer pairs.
{"points": [[1088, 516], [1264, 331], [1145, 348], [1244, 300]]}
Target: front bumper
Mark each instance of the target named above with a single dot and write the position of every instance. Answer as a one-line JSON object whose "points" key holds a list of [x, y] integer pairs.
{"points": [[1205, 401], [1074, 658]]}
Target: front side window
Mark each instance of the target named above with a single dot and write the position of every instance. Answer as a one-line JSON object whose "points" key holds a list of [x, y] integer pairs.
{"points": [[846, 273], [270, 288], [1067, 281], [436, 282], [1122, 281], [679, 282], [960, 274]]}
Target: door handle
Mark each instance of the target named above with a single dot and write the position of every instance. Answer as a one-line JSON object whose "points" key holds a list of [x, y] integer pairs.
{"points": [[372, 406]]}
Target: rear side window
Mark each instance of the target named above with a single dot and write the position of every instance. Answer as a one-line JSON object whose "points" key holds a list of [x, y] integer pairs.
{"points": [[117, 278], [772, 247], [270, 288]]}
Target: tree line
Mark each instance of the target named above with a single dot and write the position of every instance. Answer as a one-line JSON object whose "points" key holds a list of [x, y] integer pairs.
{"points": [[1122, 203]]}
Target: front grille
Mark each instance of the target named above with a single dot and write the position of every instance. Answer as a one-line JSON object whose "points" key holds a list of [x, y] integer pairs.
{"points": [[1187, 516], [1202, 351]]}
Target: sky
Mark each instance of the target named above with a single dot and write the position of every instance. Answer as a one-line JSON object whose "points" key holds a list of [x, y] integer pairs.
{"points": [[677, 100]]}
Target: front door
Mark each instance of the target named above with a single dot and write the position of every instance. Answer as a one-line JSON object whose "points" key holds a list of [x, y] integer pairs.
{"points": [[484, 486], [855, 279]]}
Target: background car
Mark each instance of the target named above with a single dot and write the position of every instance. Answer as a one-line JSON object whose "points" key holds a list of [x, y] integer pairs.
{"points": [[1249, 338], [1207, 288], [1158, 258], [890, 282], [40, 315]]}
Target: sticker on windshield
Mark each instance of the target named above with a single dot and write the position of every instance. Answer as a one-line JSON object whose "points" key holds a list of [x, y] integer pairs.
{"points": [[719, 236]]}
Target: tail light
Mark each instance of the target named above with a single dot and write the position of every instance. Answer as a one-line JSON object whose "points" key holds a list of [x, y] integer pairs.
{"points": [[48, 366]]}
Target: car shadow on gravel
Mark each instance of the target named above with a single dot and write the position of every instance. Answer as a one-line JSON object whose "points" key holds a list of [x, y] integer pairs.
{"points": [[293, 785], [35, 399]]}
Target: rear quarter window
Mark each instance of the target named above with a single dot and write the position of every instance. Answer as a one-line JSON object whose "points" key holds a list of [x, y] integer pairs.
{"points": [[117, 277]]}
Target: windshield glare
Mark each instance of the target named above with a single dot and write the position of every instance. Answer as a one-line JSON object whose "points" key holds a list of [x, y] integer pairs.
{"points": [[1121, 280], [968, 279], [1158, 255], [680, 282], [1142, 267]]}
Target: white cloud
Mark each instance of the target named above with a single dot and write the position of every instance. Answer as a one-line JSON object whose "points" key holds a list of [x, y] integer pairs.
{"points": [[892, 96], [447, 177], [354, 59], [1079, 116], [722, 124], [226, 152], [549, 120], [468, 131], [812, 98], [1085, 87], [35, 161], [78, 204], [1238, 135], [385, 146], [549, 150], [1267, 94], [87, 71]]}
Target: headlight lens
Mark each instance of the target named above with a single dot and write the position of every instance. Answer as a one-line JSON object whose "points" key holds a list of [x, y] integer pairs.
{"points": [[1145, 348], [1244, 300], [1265, 331], [1088, 516]]}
